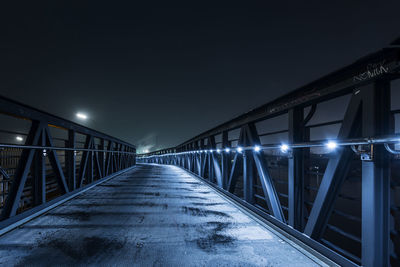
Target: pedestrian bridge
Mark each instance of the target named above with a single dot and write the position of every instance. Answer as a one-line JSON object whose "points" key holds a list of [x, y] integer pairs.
{"points": [[150, 215], [311, 178]]}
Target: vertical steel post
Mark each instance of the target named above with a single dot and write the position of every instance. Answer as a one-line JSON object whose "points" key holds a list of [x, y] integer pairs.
{"points": [[39, 170], [112, 158], [90, 167], [108, 165], [296, 169], [225, 166], [70, 161], [101, 157], [376, 177], [248, 177], [203, 159], [248, 170], [211, 168]]}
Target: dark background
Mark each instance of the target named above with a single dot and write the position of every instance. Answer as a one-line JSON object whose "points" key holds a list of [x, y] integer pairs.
{"points": [[157, 75]]}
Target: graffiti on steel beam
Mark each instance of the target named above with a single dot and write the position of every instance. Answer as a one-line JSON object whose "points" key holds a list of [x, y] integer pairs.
{"points": [[373, 70]]}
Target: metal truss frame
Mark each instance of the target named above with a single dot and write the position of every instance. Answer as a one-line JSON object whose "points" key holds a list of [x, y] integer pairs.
{"points": [[368, 115], [96, 161]]}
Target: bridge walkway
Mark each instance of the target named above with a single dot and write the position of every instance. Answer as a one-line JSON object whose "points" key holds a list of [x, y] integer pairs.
{"points": [[152, 215]]}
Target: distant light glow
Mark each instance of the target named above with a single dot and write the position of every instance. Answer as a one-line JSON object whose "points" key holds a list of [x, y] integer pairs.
{"points": [[227, 150], [211, 150], [19, 138], [146, 151], [218, 150], [257, 148], [284, 148], [239, 149], [331, 145], [81, 116]]}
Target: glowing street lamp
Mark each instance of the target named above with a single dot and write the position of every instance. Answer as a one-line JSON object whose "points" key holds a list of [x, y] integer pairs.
{"points": [[81, 116], [19, 138]]}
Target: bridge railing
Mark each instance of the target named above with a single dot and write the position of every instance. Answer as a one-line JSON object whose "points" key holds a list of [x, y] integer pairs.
{"points": [[45, 159], [321, 163]]}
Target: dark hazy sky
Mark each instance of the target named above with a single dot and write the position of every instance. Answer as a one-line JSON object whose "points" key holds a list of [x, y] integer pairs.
{"points": [[169, 72]]}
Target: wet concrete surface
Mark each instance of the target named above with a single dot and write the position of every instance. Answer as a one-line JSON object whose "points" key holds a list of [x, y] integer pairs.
{"points": [[153, 215]]}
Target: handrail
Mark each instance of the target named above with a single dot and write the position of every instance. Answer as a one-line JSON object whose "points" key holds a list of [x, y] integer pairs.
{"points": [[392, 151], [393, 139], [64, 148]]}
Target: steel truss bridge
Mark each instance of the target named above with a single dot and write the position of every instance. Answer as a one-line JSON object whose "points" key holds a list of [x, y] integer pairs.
{"points": [[320, 165]]}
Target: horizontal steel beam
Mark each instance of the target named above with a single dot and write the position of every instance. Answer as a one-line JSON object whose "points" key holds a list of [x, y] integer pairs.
{"points": [[63, 148], [384, 63], [14, 108]]}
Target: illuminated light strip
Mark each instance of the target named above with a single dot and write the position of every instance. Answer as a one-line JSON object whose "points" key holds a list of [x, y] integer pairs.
{"points": [[284, 148], [330, 145]]}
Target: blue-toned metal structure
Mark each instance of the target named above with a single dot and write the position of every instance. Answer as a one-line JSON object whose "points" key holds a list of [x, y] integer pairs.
{"points": [[342, 202], [58, 159]]}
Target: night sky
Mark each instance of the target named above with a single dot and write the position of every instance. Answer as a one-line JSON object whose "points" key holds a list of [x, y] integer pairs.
{"points": [[165, 73]]}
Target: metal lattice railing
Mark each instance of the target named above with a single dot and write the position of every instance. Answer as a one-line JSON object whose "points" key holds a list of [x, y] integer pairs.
{"points": [[48, 158], [321, 163]]}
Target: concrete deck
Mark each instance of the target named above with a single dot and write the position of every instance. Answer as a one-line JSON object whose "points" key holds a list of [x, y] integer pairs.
{"points": [[150, 216]]}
